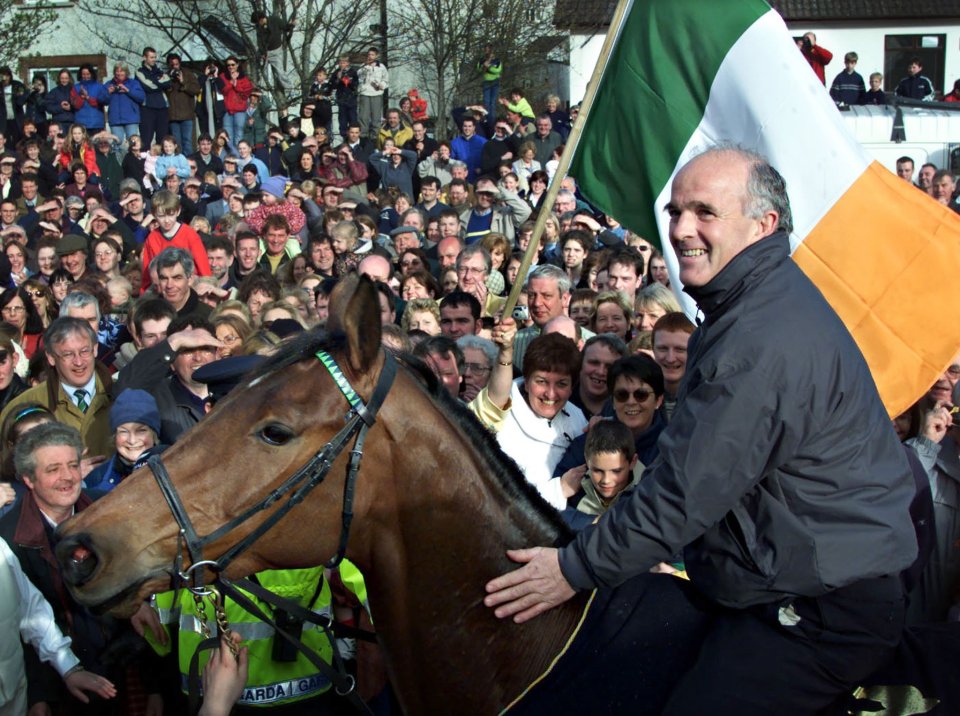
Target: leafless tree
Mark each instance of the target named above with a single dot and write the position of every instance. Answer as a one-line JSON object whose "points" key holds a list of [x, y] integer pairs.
{"points": [[323, 29]]}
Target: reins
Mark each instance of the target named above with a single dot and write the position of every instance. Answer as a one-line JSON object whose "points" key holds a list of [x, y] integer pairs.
{"points": [[295, 488]]}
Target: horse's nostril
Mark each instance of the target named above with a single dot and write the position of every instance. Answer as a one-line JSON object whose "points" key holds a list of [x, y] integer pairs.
{"points": [[80, 563], [81, 554]]}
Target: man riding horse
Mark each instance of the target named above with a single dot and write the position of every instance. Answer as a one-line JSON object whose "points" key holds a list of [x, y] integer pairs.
{"points": [[779, 474]]}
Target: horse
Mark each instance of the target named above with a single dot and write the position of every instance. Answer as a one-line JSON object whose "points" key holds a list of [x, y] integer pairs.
{"points": [[435, 506]]}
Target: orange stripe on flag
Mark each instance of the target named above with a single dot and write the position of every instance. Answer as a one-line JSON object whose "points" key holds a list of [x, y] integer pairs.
{"points": [[887, 258]]}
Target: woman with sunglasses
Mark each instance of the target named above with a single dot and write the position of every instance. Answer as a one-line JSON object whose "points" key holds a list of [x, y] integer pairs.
{"points": [[16, 308], [636, 388], [43, 300]]}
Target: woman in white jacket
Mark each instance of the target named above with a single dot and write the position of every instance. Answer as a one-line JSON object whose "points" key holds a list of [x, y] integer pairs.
{"points": [[541, 422]]}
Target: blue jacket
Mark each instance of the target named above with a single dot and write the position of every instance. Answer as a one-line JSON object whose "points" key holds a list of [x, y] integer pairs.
{"points": [[155, 82], [177, 161], [124, 107], [90, 115], [262, 172], [52, 104], [469, 152]]}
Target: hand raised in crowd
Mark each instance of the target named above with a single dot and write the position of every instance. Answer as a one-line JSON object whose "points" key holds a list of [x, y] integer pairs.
{"points": [[88, 462], [203, 289], [102, 213], [503, 334], [937, 422], [192, 339]]}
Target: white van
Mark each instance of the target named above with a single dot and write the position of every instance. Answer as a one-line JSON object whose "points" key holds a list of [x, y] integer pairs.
{"points": [[932, 134]]}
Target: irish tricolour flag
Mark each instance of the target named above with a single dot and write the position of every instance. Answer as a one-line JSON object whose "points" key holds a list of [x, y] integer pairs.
{"points": [[688, 74]]}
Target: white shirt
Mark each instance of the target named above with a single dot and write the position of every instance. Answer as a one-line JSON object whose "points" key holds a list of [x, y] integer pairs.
{"points": [[35, 618]]}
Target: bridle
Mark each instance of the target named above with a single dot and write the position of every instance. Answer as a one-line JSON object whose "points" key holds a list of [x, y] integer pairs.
{"points": [[360, 419]]}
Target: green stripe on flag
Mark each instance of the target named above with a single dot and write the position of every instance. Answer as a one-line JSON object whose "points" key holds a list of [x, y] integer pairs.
{"points": [[651, 99]]}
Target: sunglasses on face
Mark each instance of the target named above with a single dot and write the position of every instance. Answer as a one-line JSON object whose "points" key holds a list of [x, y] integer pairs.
{"points": [[641, 395]]}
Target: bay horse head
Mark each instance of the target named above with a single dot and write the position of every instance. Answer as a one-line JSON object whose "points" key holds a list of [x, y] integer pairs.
{"points": [[125, 547]]}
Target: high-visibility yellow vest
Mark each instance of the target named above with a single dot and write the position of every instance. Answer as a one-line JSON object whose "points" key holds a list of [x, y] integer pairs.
{"points": [[269, 682]]}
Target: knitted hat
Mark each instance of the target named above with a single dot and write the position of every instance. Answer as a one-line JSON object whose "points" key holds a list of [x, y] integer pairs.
{"points": [[135, 406], [275, 186]]}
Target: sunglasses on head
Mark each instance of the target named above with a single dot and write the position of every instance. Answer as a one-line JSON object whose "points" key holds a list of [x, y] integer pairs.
{"points": [[641, 395]]}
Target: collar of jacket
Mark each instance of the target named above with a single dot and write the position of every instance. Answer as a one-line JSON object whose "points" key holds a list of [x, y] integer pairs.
{"points": [[30, 531], [744, 270]]}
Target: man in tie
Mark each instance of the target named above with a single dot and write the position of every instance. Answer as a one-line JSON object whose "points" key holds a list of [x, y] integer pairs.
{"points": [[77, 386]]}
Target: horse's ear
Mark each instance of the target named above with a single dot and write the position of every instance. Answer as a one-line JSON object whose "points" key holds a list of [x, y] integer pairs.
{"points": [[355, 310]]}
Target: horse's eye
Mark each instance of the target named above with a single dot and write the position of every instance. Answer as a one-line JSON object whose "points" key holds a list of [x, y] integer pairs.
{"points": [[274, 434]]}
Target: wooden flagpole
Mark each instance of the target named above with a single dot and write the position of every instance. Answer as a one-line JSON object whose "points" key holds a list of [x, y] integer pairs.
{"points": [[568, 151]]}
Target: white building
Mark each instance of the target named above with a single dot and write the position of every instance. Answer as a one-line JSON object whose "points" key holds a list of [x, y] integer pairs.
{"points": [[885, 35]]}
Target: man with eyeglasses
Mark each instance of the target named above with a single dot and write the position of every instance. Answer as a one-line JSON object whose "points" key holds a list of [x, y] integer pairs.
{"points": [[479, 357], [473, 268], [77, 390]]}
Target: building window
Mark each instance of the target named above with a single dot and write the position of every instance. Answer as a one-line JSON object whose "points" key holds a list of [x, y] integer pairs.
{"points": [[49, 67], [898, 50]]}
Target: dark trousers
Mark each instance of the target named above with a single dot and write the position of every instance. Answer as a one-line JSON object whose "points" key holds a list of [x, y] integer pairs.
{"points": [[792, 658], [346, 115], [154, 126]]}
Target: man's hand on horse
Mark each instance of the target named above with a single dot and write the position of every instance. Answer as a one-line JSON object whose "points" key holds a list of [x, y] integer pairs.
{"points": [[527, 592]]}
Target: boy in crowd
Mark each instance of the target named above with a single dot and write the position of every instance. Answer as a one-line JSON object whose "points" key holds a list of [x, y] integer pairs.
{"points": [[171, 233], [875, 95], [611, 457], [847, 88]]}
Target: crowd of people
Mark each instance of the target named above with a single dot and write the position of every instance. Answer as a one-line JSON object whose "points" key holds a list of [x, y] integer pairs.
{"points": [[848, 88], [162, 235]]}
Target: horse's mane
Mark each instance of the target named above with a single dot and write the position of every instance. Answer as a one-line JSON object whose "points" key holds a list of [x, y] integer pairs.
{"points": [[501, 466]]}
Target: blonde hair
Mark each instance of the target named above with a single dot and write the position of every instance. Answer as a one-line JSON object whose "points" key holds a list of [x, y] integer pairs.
{"points": [[282, 305], [165, 201], [418, 305], [611, 297]]}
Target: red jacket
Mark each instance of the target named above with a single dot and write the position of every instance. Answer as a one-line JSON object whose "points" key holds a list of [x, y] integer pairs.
{"points": [[89, 156], [236, 96], [819, 58]]}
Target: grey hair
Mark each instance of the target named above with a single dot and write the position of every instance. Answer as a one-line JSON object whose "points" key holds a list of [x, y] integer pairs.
{"points": [[64, 327], [78, 299], [488, 347], [45, 435], [550, 271], [766, 188], [473, 250], [172, 256]]}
